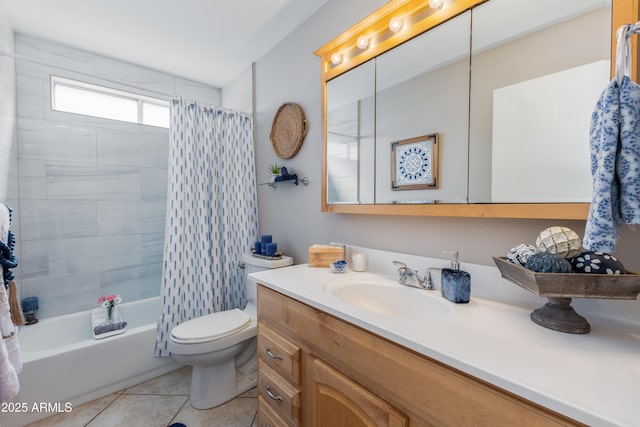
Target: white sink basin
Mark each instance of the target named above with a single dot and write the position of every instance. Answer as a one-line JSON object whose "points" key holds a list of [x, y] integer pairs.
{"points": [[386, 297]]}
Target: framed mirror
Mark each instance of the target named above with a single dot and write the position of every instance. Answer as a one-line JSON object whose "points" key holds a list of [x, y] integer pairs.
{"points": [[536, 77], [350, 136], [539, 47], [422, 88]]}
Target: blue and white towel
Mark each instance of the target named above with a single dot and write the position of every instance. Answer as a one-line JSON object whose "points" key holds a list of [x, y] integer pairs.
{"points": [[615, 165], [603, 225], [628, 158]]}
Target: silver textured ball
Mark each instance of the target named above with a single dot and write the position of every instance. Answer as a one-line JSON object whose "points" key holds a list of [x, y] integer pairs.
{"points": [[520, 254], [561, 241]]}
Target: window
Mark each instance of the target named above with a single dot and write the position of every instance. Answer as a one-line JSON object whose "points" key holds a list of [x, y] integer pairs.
{"points": [[77, 97]]}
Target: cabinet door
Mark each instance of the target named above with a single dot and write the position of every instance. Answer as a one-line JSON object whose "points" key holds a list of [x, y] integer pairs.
{"points": [[337, 401]]}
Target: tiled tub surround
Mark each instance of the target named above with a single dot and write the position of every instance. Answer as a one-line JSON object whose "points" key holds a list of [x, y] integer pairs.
{"points": [[592, 378], [92, 192], [8, 150]]}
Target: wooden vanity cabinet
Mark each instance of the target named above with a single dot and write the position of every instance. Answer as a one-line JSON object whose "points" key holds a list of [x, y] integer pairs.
{"points": [[345, 376]]}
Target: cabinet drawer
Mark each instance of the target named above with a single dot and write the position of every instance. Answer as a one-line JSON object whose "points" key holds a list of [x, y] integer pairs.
{"points": [[279, 393], [279, 353], [267, 417]]}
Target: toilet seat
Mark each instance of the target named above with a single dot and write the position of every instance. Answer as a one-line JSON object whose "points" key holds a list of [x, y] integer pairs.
{"points": [[211, 327]]}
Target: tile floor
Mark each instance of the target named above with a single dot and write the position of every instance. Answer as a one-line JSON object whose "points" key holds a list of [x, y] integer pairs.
{"points": [[158, 402]]}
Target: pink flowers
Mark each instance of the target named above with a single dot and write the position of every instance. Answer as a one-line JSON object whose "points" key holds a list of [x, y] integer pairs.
{"points": [[109, 300]]}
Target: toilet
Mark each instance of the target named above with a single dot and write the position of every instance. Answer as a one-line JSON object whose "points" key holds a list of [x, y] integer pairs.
{"points": [[221, 346]]}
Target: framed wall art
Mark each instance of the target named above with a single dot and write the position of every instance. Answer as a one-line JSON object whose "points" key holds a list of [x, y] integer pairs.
{"points": [[414, 163]]}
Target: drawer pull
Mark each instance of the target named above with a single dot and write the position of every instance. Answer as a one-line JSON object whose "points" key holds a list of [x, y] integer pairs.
{"points": [[272, 355], [271, 395]]}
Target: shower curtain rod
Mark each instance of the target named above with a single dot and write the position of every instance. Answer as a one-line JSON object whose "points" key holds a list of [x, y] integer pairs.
{"points": [[161, 95]]}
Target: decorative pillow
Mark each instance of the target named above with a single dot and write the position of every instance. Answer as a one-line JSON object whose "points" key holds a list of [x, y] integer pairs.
{"points": [[597, 263], [520, 254], [544, 262]]}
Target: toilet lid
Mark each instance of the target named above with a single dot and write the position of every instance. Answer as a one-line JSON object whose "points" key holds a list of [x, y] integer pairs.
{"points": [[212, 326]]}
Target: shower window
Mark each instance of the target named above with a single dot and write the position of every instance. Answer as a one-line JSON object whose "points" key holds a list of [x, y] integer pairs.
{"points": [[78, 97]]}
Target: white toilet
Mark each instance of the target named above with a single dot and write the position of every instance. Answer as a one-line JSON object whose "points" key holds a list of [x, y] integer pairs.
{"points": [[221, 346]]}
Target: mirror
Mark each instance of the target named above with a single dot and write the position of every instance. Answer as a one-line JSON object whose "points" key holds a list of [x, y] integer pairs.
{"points": [[537, 69], [351, 136], [536, 77], [422, 88]]}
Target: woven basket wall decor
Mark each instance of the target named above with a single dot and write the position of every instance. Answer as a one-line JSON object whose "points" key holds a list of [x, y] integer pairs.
{"points": [[288, 130]]}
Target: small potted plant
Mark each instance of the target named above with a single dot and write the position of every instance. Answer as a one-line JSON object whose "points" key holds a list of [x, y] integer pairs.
{"points": [[275, 170]]}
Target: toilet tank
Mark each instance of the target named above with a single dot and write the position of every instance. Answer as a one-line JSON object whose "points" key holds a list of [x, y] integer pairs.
{"points": [[254, 264]]}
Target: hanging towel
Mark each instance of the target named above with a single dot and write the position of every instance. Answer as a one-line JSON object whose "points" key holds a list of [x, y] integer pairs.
{"points": [[9, 385], [628, 156], [603, 225], [10, 364]]}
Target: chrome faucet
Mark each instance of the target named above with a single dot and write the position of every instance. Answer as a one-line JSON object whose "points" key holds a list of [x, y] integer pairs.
{"points": [[405, 274]]}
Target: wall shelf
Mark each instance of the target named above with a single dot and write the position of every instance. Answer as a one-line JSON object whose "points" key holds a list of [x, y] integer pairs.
{"points": [[274, 184]]}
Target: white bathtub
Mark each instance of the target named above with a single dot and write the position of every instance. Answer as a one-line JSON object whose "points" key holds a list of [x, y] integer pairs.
{"points": [[63, 363]]}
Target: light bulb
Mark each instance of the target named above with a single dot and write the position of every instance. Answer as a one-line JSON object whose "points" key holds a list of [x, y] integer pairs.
{"points": [[436, 4], [395, 24], [336, 58], [362, 42]]}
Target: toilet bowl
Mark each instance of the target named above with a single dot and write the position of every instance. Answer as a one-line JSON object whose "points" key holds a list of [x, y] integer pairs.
{"points": [[221, 346]]}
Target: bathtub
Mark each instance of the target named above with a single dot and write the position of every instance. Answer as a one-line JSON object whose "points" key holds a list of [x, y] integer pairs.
{"points": [[62, 363]]}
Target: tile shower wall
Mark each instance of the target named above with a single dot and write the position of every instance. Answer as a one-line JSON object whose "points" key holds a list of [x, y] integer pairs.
{"points": [[8, 150], [92, 191]]}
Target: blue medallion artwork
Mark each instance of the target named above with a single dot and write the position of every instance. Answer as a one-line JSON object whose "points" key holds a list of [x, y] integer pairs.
{"points": [[212, 214]]}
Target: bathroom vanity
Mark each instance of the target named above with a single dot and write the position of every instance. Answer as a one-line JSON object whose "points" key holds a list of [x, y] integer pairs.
{"points": [[328, 372], [330, 361]]}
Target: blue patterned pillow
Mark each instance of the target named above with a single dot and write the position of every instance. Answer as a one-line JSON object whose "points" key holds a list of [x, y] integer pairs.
{"points": [[597, 263]]}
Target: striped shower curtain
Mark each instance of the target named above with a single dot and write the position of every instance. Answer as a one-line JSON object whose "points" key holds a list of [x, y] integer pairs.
{"points": [[212, 216]]}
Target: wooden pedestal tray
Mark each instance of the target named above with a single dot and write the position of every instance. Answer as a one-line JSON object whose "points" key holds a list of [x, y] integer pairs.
{"points": [[559, 288]]}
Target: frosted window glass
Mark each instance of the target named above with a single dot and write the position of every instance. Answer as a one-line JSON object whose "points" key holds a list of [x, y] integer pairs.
{"points": [[155, 115], [82, 101]]}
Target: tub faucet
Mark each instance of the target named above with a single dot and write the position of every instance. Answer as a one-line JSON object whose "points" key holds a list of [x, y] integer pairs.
{"points": [[410, 277]]}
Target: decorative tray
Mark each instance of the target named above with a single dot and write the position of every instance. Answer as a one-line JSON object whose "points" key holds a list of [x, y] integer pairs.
{"points": [[277, 255], [571, 285], [559, 288]]}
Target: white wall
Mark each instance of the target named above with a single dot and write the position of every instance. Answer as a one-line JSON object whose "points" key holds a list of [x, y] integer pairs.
{"points": [[92, 190], [290, 72], [238, 95]]}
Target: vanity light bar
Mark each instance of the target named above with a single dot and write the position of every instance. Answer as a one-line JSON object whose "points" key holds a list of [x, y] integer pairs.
{"points": [[395, 22]]}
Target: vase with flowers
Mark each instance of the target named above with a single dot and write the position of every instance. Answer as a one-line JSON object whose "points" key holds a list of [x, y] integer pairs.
{"points": [[110, 303]]}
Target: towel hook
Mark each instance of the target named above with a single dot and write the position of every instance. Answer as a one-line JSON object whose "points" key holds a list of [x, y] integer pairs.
{"points": [[623, 51]]}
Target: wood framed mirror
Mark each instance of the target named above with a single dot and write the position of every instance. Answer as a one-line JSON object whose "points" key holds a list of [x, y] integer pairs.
{"points": [[358, 58]]}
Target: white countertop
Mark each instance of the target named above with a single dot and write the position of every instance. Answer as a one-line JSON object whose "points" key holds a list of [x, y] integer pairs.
{"points": [[593, 378]]}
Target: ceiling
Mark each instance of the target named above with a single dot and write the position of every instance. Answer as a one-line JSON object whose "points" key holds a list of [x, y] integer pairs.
{"points": [[209, 41]]}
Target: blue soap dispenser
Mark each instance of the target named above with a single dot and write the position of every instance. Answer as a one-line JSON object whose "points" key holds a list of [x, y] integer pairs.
{"points": [[455, 284]]}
